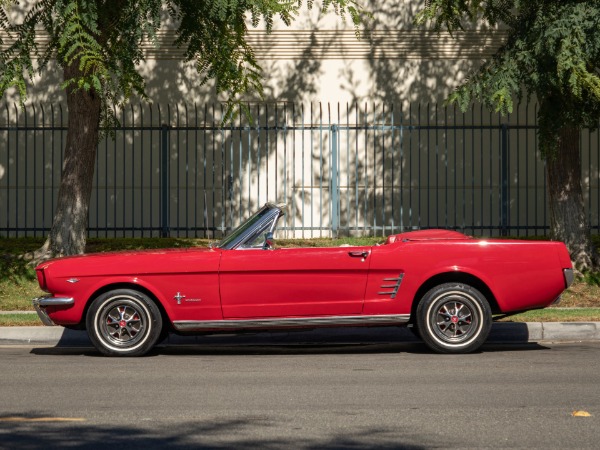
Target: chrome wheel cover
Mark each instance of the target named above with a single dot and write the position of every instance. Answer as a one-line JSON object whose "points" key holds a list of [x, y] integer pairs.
{"points": [[123, 322], [454, 318]]}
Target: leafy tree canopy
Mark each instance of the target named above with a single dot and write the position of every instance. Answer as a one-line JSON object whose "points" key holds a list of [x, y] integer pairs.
{"points": [[552, 51], [103, 37]]}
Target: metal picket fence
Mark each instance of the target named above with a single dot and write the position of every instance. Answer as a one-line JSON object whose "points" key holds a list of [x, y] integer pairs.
{"points": [[342, 169]]}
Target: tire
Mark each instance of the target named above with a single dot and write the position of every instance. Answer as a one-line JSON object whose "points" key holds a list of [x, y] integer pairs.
{"points": [[454, 318], [124, 322]]}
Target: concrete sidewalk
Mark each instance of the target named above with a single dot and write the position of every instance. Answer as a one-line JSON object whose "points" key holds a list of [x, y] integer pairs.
{"points": [[502, 332]]}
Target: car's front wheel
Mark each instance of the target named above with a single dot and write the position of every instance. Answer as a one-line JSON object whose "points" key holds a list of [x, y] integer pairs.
{"points": [[454, 318], [123, 322]]}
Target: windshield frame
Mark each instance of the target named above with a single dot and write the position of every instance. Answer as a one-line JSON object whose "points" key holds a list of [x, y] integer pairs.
{"points": [[263, 220]]}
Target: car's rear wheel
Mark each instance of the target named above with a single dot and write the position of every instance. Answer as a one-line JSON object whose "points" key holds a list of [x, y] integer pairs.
{"points": [[124, 322], [454, 318]]}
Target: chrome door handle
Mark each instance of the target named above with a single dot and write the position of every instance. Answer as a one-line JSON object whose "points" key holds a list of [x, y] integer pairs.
{"points": [[362, 254]]}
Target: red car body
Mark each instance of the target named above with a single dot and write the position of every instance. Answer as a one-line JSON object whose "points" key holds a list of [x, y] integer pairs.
{"points": [[259, 287]]}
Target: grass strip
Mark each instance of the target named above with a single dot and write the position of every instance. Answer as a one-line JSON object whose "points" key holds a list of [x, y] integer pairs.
{"points": [[557, 315], [19, 320]]}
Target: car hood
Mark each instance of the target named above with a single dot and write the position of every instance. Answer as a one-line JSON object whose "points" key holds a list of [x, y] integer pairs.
{"points": [[125, 262]]}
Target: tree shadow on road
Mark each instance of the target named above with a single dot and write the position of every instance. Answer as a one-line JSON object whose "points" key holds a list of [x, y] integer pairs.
{"points": [[37, 431]]}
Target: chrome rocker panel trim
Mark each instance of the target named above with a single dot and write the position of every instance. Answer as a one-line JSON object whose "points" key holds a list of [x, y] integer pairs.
{"points": [[41, 302], [295, 322]]}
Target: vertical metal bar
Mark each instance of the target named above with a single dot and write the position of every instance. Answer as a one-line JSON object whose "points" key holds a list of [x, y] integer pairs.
{"points": [[230, 176], [492, 227], [187, 168], [8, 171], [428, 167], [276, 153], [223, 177], [293, 199], [393, 163], [17, 188], [473, 171], [302, 163], [205, 206], [258, 171], [481, 169], [464, 172], [285, 193], [240, 169], [527, 169], [249, 165], [455, 204], [34, 203], [410, 150], [177, 169], [133, 183], [374, 170], [164, 182], [267, 151], [115, 196], [142, 147], [419, 182], [124, 197], [321, 173], [366, 166], [446, 151], [518, 164], [504, 200], [213, 185], [97, 176], [382, 118], [356, 176], [335, 206], [196, 168], [43, 168], [401, 163], [347, 169], [106, 206], [52, 164], [151, 183], [437, 171]]}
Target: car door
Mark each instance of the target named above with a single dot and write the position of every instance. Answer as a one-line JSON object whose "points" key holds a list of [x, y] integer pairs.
{"points": [[293, 282]]}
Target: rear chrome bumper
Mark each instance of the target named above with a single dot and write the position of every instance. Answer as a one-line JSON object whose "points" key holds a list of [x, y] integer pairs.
{"points": [[569, 276], [40, 304]]}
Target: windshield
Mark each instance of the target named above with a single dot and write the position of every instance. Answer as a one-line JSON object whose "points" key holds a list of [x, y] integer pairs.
{"points": [[243, 227]]}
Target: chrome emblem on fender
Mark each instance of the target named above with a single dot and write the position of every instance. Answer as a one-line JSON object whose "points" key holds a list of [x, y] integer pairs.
{"points": [[178, 297]]}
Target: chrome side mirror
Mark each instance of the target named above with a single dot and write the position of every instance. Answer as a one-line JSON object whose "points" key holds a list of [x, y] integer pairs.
{"points": [[269, 242]]}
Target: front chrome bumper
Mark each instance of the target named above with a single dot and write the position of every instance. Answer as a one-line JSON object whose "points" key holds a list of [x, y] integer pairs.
{"points": [[40, 304]]}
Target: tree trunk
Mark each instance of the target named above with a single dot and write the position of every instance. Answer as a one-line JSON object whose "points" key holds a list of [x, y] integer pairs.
{"points": [[69, 228], [568, 220]]}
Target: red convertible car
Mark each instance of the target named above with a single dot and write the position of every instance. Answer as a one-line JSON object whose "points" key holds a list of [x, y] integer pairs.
{"points": [[446, 285]]}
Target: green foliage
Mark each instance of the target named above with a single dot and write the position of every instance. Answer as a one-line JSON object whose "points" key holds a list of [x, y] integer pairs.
{"points": [[591, 278], [102, 40], [552, 51]]}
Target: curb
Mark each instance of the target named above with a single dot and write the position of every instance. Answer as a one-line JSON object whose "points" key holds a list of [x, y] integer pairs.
{"points": [[502, 332]]}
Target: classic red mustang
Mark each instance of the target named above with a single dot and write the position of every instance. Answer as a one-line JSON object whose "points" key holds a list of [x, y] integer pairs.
{"points": [[443, 283]]}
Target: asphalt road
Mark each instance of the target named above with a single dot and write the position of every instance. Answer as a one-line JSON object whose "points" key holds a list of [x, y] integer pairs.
{"points": [[301, 396]]}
